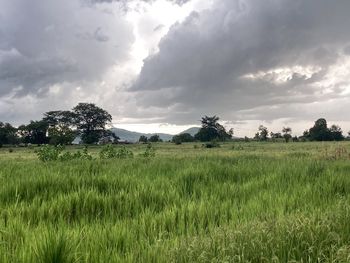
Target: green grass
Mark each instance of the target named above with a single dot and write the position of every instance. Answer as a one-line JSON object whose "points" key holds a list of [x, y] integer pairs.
{"points": [[243, 202]]}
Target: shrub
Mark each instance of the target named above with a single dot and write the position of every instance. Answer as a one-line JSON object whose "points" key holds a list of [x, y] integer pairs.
{"points": [[49, 153], [124, 153], [66, 156], [212, 144], [85, 154], [110, 152], [177, 140], [237, 147], [53, 153], [149, 152]]}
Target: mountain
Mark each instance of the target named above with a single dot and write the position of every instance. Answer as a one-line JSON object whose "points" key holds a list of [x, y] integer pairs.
{"points": [[192, 130], [134, 136]]}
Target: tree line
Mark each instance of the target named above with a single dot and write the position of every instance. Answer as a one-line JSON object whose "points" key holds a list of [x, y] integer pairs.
{"points": [[61, 127], [212, 130], [91, 122], [318, 132]]}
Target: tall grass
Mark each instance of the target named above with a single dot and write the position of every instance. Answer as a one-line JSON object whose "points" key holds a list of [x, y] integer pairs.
{"points": [[261, 203]]}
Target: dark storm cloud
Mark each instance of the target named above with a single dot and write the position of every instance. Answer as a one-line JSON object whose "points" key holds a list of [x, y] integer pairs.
{"points": [[204, 63], [179, 2], [50, 42]]}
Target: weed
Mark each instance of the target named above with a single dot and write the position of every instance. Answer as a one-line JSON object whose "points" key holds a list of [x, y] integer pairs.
{"points": [[110, 152], [49, 153], [149, 152]]}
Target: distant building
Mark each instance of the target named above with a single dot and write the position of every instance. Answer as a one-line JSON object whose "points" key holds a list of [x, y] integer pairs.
{"points": [[77, 141]]}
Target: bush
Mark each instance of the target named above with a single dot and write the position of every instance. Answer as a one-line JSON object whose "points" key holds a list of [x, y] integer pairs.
{"points": [[85, 154], [212, 144], [49, 153], [110, 152], [68, 156], [177, 140], [124, 153], [53, 153], [237, 147], [149, 152]]}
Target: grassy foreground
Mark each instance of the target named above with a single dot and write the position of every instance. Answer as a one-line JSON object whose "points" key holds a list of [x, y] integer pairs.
{"points": [[248, 202]]}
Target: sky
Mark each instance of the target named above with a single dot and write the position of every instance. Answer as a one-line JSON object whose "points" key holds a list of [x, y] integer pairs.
{"points": [[160, 65]]}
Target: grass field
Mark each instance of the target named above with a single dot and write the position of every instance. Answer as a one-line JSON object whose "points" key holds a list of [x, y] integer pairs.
{"points": [[243, 202]]}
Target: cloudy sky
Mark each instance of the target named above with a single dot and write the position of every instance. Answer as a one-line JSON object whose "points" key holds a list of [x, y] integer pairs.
{"points": [[159, 65]]}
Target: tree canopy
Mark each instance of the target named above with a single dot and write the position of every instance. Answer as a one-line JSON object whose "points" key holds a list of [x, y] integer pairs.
{"points": [[7, 134], [34, 132], [182, 137], [287, 133], [143, 139], [155, 138], [212, 130], [262, 133], [90, 121], [320, 132], [60, 124]]}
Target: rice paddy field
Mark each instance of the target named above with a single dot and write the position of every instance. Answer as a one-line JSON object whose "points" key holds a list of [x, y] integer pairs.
{"points": [[242, 202]]}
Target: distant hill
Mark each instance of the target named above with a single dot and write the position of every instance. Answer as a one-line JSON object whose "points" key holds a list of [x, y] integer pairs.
{"points": [[192, 131], [132, 136]]}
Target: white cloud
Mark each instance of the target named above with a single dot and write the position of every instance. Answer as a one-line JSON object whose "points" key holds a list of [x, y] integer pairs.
{"points": [[251, 60]]}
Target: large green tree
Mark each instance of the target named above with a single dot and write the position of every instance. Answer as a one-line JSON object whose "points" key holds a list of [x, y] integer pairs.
{"points": [[287, 133], [155, 138], [320, 132], [262, 133], [60, 127], [91, 121], [143, 139], [336, 133], [35, 132], [8, 134], [212, 130]]}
